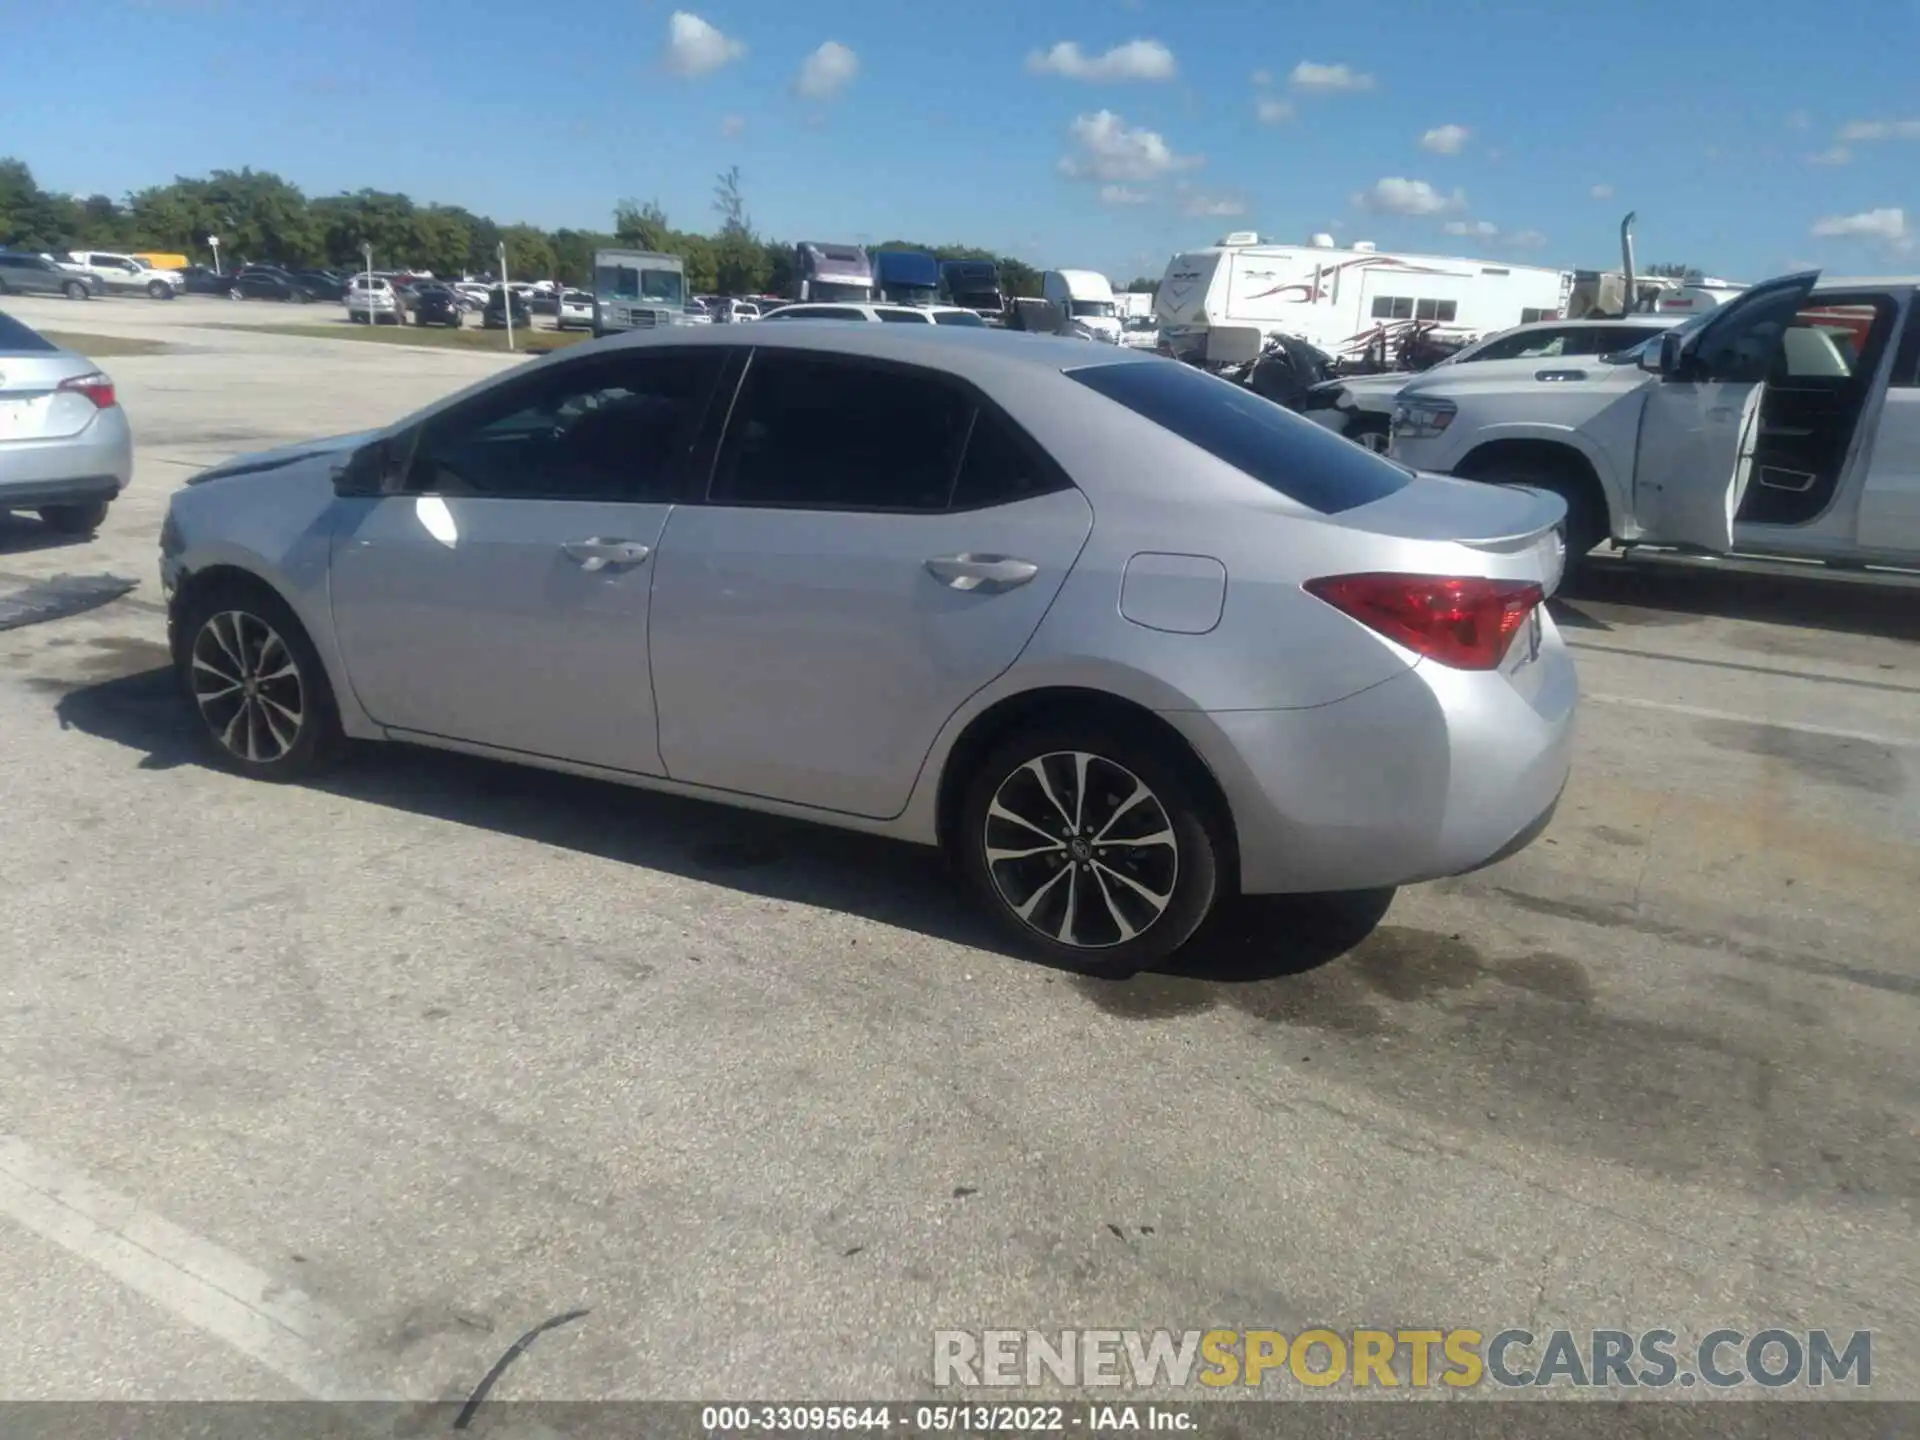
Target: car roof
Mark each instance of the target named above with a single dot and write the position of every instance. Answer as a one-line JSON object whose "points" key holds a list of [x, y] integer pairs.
{"points": [[967, 351]]}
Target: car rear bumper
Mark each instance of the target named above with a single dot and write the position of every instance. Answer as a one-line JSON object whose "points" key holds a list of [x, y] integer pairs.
{"points": [[1435, 772], [96, 464]]}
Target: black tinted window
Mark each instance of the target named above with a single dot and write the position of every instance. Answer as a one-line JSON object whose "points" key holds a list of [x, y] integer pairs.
{"points": [[959, 317], [17, 339], [830, 435], [1003, 465], [615, 429], [908, 317], [1298, 458]]}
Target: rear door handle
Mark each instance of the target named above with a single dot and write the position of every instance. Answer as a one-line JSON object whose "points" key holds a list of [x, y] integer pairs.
{"points": [[988, 573], [598, 553]]}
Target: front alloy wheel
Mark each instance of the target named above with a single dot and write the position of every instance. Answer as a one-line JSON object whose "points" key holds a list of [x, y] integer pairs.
{"points": [[1095, 850], [248, 687]]}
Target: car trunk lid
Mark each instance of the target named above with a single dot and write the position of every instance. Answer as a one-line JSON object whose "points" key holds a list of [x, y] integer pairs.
{"points": [[1504, 532], [33, 406]]}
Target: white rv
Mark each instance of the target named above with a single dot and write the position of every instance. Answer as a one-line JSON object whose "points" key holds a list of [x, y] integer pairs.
{"points": [[1344, 300], [1084, 304]]}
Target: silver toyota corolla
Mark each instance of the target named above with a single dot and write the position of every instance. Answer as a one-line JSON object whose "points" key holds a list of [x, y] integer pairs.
{"points": [[65, 447], [1121, 636]]}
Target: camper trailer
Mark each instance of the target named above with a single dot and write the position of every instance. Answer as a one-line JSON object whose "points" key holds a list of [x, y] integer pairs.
{"points": [[1346, 301], [826, 271]]}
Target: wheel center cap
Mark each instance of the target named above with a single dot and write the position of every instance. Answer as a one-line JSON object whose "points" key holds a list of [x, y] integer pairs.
{"points": [[1079, 849], [251, 686]]}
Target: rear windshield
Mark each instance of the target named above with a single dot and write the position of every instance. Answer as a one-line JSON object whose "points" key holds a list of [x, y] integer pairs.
{"points": [[17, 339], [1303, 461]]}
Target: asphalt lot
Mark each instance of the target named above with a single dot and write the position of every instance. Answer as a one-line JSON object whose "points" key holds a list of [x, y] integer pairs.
{"points": [[376, 1076]]}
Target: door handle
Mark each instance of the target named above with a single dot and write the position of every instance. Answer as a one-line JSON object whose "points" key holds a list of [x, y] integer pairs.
{"points": [[988, 573], [598, 554]]}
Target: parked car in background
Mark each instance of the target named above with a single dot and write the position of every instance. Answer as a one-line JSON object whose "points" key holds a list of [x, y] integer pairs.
{"points": [[502, 303], [1361, 406], [66, 450], [199, 280], [735, 311], [697, 313], [949, 530], [123, 275], [23, 274], [321, 284], [435, 304], [894, 314], [370, 300], [576, 310], [270, 282], [473, 292]]}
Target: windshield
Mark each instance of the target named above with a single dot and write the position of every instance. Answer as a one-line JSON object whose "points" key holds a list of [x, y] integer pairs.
{"points": [[629, 282], [835, 290], [912, 294], [979, 299], [1095, 309], [1143, 322]]}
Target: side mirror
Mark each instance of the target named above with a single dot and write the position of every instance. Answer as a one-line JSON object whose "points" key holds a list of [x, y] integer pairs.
{"points": [[368, 470], [1663, 356]]}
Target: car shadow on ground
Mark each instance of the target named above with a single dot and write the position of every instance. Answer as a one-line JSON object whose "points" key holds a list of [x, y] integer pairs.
{"points": [[23, 534], [1611, 592], [909, 886]]}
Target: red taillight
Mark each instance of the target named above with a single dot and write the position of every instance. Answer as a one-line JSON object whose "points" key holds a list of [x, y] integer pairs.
{"points": [[1465, 622], [96, 387]]}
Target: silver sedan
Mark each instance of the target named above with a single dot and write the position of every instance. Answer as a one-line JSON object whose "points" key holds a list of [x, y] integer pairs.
{"points": [[66, 449], [1123, 637]]}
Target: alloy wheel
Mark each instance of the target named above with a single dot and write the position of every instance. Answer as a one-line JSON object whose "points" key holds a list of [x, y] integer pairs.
{"points": [[1081, 850], [1374, 440], [247, 685]]}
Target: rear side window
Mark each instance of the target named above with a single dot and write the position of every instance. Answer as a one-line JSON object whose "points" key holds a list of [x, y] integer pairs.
{"points": [[959, 317], [908, 317], [1296, 457], [1003, 465], [17, 339]]}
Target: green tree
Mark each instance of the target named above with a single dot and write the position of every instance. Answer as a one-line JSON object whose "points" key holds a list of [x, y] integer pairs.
{"points": [[27, 214], [697, 253], [644, 227], [573, 254], [1141, 285], [1670, 272], [529, 252]]}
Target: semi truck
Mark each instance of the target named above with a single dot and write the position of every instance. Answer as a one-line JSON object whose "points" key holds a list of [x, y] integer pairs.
{"points": [[973, 285], [637, 290], [824, 270], [906, 277]]}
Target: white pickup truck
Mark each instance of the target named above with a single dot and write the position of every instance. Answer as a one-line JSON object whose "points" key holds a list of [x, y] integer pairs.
{"points": [[1785, 422], [123, 275]]}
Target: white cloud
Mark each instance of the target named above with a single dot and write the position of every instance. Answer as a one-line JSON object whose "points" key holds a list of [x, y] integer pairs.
{"points": [[1527, 240], [1272, 111], [1445, 139], [1123, 195], [827, 71], [1838, 155], [1310, 75], [695, 48], [1476, 229], [1135, 60], [1601, 192], [1110, 150], [1889, 224], [1860, 131], [1798, 120], [1218, 206], [1263, 77], [1395, 196]]}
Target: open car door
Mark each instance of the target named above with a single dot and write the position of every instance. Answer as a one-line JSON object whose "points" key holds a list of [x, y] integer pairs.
{"points": [[1701, 421]]}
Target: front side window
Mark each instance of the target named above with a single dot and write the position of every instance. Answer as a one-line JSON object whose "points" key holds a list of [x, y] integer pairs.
{"points": [[818, 433], [612, 429], [1528, 345], [1303, 461]]}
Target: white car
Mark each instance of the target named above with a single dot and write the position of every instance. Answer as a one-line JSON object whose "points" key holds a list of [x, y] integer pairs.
{"points": [[901, 314], [576, 310], [1361, 406], [370, 300], [123, 275], [1784, 422]]}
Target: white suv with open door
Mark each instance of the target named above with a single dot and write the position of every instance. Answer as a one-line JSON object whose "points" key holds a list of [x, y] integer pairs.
{"points": [[123, 275], [1785, 422]]}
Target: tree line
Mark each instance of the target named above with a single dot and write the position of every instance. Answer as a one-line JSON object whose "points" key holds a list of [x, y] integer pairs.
{"points": [[260, 217]]}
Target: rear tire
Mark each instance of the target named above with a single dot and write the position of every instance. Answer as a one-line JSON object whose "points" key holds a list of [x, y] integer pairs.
{"points": [[81, 519], [256, 686], [1122, 890]]}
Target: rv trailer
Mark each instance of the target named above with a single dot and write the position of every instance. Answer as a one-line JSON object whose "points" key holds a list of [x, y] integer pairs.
{"points": [[1347, 302]]}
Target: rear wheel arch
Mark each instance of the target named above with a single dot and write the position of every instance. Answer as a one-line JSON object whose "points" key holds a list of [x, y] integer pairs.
{"points": [[1054, 706], [1553, 465]]}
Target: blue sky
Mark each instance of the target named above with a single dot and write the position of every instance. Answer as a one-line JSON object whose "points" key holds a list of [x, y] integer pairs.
{"points": [[1099, 133]]}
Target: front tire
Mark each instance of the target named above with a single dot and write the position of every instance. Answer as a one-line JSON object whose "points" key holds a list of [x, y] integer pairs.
{"points": [[1091, 847], [1587, 522], [256, 684], [159, 290], [1369, 432], [74, 290], [82, 519]]}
